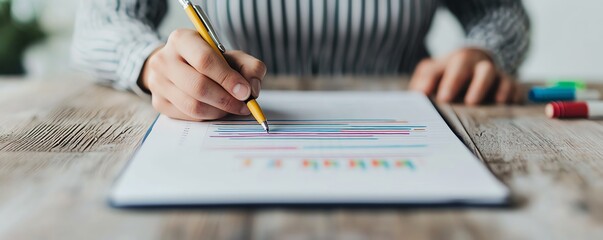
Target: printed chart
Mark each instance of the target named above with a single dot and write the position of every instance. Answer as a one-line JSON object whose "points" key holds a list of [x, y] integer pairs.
{"points": [[320, 144]]}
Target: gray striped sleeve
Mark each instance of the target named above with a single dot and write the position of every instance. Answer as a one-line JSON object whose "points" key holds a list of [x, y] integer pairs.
{"points": [[113, 39], [501, 27]]}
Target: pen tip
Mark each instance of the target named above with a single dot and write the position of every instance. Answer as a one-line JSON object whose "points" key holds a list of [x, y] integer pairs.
{"points": [[265, 126]]}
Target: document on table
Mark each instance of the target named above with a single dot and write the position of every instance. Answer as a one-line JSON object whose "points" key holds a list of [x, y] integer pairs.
{"points": [[323, 148]]}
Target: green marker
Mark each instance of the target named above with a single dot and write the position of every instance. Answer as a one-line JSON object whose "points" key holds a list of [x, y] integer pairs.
{"points": [[567, 83]]}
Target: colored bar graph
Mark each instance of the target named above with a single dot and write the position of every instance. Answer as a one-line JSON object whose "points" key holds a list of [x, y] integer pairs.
{"points": [[322, 144], [331, 164]]}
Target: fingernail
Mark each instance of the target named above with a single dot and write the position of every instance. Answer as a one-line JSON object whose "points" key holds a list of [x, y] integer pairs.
{"points": [[241, 91], [245, 110], [255, 87]]}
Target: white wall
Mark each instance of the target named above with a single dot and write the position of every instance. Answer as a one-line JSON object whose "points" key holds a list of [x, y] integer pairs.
{"points": [[567, 39]]}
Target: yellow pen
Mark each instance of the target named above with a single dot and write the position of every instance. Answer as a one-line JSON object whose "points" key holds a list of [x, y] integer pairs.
{"points": [[207, 32]]}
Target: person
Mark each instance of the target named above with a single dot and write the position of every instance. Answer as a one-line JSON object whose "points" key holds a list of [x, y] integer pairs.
{"points": [[118, 41]]}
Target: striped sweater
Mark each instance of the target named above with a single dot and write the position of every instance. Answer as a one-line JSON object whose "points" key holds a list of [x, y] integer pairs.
{"points": [[113, 38]]}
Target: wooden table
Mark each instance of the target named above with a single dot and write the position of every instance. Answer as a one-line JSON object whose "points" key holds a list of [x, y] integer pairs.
{"points": [[64, 140]]}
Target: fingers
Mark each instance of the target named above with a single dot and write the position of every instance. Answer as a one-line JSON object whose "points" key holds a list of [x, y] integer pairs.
{"points": [[251, 68], [484, 77], [189, 105], [426, 77], [506, 90], [201, 88], [519, 94], [198, 54], [175, 103], [166, 107], [456, 75]]}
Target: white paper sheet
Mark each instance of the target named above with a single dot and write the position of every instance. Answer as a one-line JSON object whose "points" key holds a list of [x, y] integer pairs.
{"points": [[324, 148]]}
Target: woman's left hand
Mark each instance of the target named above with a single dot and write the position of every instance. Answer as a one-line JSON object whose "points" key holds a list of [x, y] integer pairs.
{"points": [[469, 70]]}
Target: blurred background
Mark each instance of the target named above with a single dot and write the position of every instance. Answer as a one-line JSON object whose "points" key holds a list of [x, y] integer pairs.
{"points": [[35, 37]]}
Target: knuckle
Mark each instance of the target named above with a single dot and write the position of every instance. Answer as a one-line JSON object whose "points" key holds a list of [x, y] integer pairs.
{"points": [[224, 77], [424, 67], [422, 70], [227, 103], [193, 108], [462, 56], [259, 67], [201, 88], [156, 61], [155, 82], [206, 60], [152, 81], [486, 65], [177, 34], [425, 62], [157, 103]]}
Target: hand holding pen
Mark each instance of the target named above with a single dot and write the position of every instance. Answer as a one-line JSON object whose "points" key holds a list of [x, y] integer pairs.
{"points": [[189, 80]]}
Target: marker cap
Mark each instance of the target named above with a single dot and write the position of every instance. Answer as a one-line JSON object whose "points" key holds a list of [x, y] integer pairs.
{"points": [[566, 110], [592, 109], [567, 83]]}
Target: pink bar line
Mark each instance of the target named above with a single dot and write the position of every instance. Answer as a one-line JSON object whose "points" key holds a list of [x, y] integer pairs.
{"points": [[304, 133], [311, 122], [337, 156], [312, 133], [377, 132], [255, 148], [294, 133], [285, 135]]}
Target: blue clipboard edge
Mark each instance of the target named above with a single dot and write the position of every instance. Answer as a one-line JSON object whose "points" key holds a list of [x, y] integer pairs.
{"points": [[453, 204], [130, 158]]}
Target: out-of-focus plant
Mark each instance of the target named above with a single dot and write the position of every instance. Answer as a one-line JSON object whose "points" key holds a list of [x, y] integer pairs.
{"points": [[15, 36]]}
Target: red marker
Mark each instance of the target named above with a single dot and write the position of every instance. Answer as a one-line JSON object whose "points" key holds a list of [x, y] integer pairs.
{"points": [[574, 110]]}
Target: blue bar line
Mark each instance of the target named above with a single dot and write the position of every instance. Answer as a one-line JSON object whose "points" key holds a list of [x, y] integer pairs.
{"points": [[318, 120], [366, 147], [313, 129], [333, 126]]}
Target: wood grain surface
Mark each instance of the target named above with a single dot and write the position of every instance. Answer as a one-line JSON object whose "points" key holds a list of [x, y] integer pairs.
{"points": [[64, 140]]}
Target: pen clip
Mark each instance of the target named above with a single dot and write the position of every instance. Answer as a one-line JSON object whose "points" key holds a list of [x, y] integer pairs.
{"points": [[210, 28]]}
